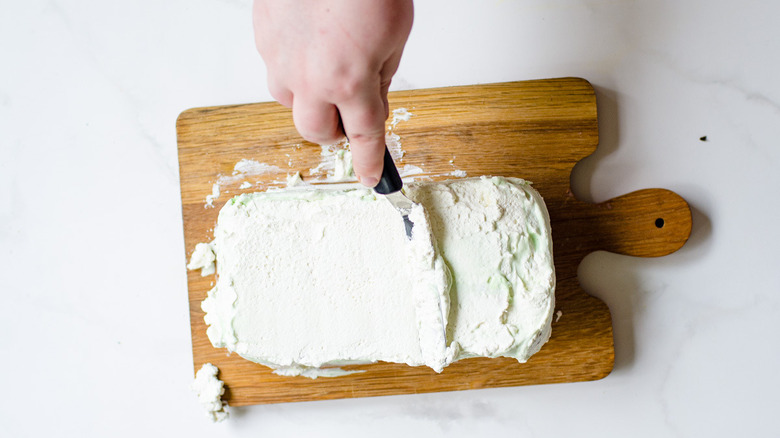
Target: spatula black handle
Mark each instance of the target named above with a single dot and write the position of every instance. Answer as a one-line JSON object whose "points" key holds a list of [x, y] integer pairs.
{"points": [[390, 182]]}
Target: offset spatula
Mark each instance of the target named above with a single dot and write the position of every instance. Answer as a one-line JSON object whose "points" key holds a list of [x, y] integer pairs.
{"points": [[390, 186]]}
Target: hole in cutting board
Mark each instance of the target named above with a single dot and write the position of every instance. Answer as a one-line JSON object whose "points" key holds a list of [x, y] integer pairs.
{"points": [[659, 223]]}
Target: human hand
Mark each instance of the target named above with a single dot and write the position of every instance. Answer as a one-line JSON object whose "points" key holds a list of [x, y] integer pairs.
{"points": [[331, 61]]}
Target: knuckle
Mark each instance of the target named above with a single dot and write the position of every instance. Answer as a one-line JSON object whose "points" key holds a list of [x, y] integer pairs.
{"points": [[363, 137], [348, 89], [347, 83]]}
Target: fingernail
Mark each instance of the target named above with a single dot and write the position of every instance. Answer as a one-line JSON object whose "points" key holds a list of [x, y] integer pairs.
{"points": [[368, 181]]}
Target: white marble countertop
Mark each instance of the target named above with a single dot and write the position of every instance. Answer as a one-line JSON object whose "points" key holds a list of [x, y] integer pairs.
{"points": [[95, 326]]}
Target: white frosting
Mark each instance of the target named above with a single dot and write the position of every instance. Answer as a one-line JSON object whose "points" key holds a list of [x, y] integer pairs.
{"points": [[400, 115], [313, 373], [214, 195], [210, 390], [294, 180], [241, 170], [247, 167], [311, 277], [342, 166], [494, 234], [316, 277], [203, 258]]}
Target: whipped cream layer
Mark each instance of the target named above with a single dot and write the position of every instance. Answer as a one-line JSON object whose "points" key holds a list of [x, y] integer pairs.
{"points": [[326, 277], [310, 278], [494, 234]]}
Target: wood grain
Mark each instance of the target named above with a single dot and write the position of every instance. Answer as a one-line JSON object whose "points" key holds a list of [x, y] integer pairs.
{"points": [[537, 130]]}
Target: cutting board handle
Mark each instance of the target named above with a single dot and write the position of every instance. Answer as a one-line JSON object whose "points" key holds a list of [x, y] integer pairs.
{"points": [[645, 223]]}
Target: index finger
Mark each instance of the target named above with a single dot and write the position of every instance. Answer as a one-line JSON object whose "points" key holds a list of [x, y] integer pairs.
{"points": [[364, 124]]}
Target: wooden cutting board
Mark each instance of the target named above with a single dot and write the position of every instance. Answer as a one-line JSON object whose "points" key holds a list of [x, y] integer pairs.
{"points": [[537, 130]]}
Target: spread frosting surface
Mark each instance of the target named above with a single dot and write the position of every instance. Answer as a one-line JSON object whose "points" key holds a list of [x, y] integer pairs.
{"points": [[311, 278], [315, 277], [494, 234]]}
